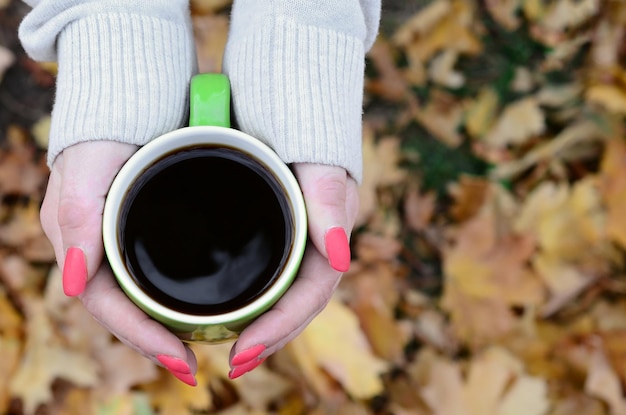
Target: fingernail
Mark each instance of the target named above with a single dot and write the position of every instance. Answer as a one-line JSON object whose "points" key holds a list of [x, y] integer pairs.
{"points": [[179, 368], [244, 368], [74, 272], [338, 249], [186, 378], [247, 355]]}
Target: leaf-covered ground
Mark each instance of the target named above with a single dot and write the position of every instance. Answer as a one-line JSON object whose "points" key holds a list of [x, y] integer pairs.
{"points": [[489, 274]]}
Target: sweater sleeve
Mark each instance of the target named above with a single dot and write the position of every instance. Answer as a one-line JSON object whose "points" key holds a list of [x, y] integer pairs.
{"points": [[124, 67], [296, 69]]}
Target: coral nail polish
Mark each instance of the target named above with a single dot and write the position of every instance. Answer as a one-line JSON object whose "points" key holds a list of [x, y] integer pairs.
{"points": [[338, 249], [174, 364], [178, 368], [247, 355], [74, 272], [237, 371], [186, 378]]}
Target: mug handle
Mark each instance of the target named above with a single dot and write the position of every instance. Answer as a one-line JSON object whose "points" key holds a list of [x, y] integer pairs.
{"points": [[209, 100]]}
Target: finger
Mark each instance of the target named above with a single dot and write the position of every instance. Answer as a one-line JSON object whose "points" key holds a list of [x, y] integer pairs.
{"points": [[306, 298], [88, 170], [112, 309], [324, 189]]}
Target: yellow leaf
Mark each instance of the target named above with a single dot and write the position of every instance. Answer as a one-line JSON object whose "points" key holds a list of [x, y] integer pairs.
{"points": [[490, 373], [442, 72], [602, 382], [335, 342], [609, 96], [505, 12], [422, 22], [527, 396], [381, 168], [172, 397], [444, 391], [519, 122], [613, 188], [41, 131], [481, 113], [567, 14], [46, 359]]}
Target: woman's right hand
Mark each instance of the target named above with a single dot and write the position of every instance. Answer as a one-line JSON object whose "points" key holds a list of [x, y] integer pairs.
{"points": [[71, 216]]}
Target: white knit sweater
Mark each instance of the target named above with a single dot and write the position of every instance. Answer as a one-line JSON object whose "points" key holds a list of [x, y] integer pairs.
{"points": [[295, 67]]}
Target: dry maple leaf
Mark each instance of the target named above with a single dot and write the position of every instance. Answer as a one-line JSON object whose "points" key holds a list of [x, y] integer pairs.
{"points": [[486, 273], [334, 341], [519, 122], [380, 168], [603, 383], [373, 296], [46, 359]]}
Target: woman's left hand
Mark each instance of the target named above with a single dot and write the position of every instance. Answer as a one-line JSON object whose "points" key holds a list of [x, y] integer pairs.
{"points": [[331, 199]]}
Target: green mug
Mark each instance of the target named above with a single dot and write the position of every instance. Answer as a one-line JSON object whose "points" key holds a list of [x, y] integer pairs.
{"points": [[205, 227]]}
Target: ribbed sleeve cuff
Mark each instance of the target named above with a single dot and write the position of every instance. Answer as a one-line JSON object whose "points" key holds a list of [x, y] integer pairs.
{"points": [[122, 77], [299, 89]]}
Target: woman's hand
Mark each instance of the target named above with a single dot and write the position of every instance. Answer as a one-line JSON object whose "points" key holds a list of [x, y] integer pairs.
{"points": [[71, 216], [332, 202]]}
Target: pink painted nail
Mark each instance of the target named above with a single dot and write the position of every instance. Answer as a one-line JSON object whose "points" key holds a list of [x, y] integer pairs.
{"points": [[179, 368], [237, 371], [186, 378], [247, 355], [74, 272], [174, 364], [338, 249]]}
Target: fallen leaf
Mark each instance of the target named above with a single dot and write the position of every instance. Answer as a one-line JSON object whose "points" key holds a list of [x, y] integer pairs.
{"points": [[480, 114], [602, 382], [6, 57], [569, 14], [350, 360], [505, 12], [444, 391], [613, 189], [382, 157], [210, 34], [527, 396], [46, 359], [611, 97], [208, 6], [442, 117], [519, 122], [441, 70], [419, 209]]}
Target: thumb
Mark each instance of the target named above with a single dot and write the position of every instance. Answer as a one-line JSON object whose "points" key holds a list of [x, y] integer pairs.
{"points": [[325, 193], [88, 170]]}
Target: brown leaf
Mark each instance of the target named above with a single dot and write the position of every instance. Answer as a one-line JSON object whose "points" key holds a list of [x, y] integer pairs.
{"points": [[210, 33], [46, 359]]}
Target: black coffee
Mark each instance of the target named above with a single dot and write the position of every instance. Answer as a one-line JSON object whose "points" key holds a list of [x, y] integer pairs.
{"points": [[205, 230]]}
